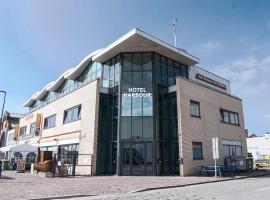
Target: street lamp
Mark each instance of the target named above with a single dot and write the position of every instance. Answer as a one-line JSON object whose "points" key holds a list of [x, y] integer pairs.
{"points": [[3, 106]]}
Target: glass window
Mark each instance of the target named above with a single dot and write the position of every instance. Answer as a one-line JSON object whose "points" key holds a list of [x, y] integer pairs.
{"points": [[236, 119], [126, 81], [232, 118], [137, 79], [147, 61], [49, 122], [157, 63], [32, 128], [148, 106], [229, 117], [127, 62], [137, 62], [197, 151], [194, 108], [148, 128], [164, 71], [185, 71], [23, 130], [232, 150], [226, 151], [106, 75], [136, 106], [178, 69], [126, 105], [226, 116], [147, 81], [137, 128], [72, 114], [126, 128], [238, 151]]}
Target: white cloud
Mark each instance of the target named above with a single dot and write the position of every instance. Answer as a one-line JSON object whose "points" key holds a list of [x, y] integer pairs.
{"points": [[209, 46], [247, 75]]}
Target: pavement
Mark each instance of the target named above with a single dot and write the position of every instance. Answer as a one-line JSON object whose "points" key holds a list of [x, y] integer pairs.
{"points": [[26, 186], [239, 189]]}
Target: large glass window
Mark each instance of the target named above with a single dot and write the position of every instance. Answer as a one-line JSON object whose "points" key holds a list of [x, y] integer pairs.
{"points": [[194, 108], [232, 150], [49, 122], [32, 128], [229, 117], [72, 114], [23, 130], [197, 151]]}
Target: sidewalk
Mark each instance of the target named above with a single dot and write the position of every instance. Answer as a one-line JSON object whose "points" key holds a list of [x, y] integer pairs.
{"points": [[27, 186]]}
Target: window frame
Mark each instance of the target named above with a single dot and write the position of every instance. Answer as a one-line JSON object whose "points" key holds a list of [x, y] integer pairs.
{"points": [[235, 114], [72, 118], [201, 144], [47, 118], [199, 109]]}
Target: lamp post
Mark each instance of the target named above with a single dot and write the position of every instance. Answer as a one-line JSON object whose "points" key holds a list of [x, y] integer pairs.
{"points": [[3, 106]]}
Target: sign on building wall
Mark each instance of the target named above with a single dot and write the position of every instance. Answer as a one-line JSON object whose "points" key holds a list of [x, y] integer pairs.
{"points": [[38, 124], [211, 81], [137, 92], [16, 131], [215, 148]]}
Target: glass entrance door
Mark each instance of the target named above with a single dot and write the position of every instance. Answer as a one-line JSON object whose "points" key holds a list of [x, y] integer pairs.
{"points": [[137, 158]]}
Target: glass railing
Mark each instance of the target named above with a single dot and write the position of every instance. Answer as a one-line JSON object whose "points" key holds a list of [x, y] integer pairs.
{"points": [[76, 84]]}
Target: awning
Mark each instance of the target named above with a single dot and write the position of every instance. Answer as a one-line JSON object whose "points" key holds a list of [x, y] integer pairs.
{"points": [[4, 149], [24, 148]]}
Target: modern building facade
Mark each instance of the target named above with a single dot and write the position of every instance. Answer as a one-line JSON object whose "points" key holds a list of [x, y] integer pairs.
{"points": [[137, 107]]}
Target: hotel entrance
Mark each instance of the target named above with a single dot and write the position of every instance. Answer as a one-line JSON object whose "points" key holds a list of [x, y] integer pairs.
{"points": [[137, 158]]}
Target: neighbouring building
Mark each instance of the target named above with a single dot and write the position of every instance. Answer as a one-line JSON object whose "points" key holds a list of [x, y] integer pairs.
{"points": [[136, 107], [259, 146], [9, 122]]}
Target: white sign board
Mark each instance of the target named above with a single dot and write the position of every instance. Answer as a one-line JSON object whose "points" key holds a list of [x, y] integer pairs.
{"points": [[215, 148]]}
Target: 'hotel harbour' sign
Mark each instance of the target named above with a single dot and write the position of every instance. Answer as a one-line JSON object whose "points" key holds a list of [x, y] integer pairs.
{"points": [[137, 92]]}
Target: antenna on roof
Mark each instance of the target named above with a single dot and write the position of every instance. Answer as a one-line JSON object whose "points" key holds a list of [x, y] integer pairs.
{"points": [[173, 24]]}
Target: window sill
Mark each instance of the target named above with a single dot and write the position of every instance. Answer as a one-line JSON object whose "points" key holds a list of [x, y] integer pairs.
{"points": [[72, 121], [229, 123], [49, 127], [196, 116], [198, 159]]}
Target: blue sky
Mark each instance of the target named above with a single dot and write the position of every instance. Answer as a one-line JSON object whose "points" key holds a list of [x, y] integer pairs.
{"points": [[39, 40]]}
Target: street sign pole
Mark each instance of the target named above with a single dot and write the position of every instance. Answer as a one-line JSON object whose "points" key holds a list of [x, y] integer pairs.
{"points": [[215, 152]]}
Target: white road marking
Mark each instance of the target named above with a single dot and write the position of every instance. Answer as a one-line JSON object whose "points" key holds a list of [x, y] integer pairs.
{"points": [[262, 189]]}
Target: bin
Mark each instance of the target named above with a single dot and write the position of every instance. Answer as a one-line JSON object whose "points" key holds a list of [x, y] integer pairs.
{"points": [[249, 164], [5, 164]]}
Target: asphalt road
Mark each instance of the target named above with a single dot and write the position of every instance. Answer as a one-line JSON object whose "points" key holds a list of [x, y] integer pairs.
{"points": [[243, 189]]}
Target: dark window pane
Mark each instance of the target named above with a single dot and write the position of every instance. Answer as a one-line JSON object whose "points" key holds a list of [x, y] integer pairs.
{"points": [[197, 150], [137, 79], [147, 61], [147, 81], [157, 63], [148, 128], [126, 128], [137, 62], [137, 127], [194, 109], [126, 81], [185, 71], [148, 106], [226, 117], [164, 71], [126, 105], [127, 62]]}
